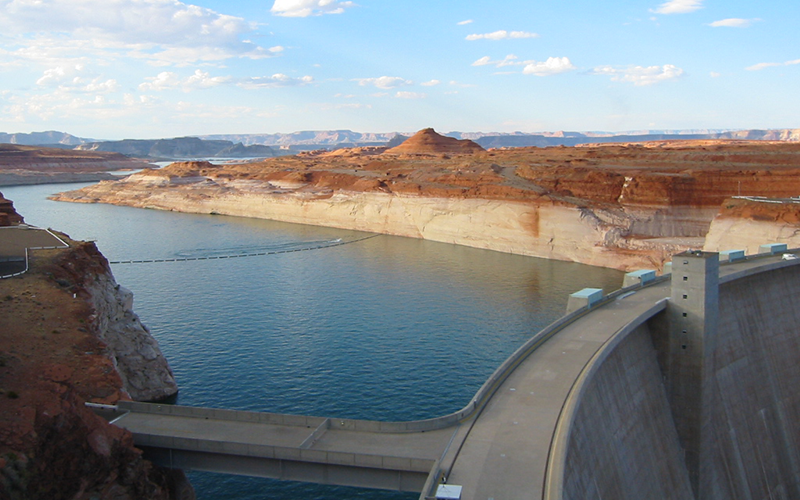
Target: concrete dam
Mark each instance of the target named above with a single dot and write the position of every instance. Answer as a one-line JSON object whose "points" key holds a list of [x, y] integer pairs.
{"points": [[683, 386]]}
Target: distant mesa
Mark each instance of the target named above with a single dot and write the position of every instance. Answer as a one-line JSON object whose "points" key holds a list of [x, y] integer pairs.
{"points": [[427, 141]]}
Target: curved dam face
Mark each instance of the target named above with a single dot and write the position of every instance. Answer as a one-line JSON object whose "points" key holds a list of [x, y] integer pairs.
{"points": [[625, 439]]}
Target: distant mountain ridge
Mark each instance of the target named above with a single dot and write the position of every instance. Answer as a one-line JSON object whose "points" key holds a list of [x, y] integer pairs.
{"points": [[267, 145], [180, 147], [50, 137]]}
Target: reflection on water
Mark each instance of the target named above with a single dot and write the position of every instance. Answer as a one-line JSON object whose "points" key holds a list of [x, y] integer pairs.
{"points": [[387, 328]]}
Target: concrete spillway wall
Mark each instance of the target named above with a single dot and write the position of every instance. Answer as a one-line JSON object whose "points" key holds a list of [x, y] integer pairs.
{"points": [[622, 440]]}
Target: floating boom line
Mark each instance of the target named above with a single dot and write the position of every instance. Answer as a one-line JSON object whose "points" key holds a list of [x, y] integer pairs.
{"points": [[331, 244]]}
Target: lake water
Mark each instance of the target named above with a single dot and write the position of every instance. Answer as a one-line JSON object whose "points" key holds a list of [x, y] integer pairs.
{"points": [[384, 328]]}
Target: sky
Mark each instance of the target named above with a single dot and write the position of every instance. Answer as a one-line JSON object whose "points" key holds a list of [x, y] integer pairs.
{"points": [[114, 69]]}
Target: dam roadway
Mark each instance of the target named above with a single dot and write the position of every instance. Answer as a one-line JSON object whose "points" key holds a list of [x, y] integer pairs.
{"points": [[510, 442]]}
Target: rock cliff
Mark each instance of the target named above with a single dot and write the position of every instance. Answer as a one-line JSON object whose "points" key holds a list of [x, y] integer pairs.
{"points": [[8, 216], [623, 206], [68, 336]]}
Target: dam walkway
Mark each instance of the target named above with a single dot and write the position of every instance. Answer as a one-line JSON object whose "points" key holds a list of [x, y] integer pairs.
{"points": [[507, 443]]}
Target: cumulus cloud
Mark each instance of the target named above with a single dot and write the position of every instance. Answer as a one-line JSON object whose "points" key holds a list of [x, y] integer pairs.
{"points": [[158, 30], [384, 82], [430, 83], [76, 79], [679, 7], [305, 8], [509, 60], [274, 81], [502, 35], [402, 94], [733, 23], [640, 75], [760, 66], [167, 80], [552, 66]]}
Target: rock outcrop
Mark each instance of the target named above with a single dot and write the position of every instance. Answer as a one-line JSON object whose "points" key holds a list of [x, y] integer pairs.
{"points": [[68, 336], [427, 141], [8, 216]]}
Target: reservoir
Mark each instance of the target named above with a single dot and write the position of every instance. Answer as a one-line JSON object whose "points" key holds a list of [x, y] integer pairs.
{"points": [[268, 316]]}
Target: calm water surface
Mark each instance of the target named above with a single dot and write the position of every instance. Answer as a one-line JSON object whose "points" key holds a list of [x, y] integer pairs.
{"points": [[386, 328]]}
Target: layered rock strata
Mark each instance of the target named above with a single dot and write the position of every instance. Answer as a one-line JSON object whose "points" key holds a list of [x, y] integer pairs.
{"points": [[23, 165], [625, 207]]}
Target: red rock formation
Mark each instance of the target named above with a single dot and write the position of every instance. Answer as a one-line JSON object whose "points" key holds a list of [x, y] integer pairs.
{"points": [[427, 141], [8, 216]]}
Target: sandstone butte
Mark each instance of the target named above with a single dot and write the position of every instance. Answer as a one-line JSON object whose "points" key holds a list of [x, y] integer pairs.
{"points": [[624, 206], [68, 336], [20, 165]]}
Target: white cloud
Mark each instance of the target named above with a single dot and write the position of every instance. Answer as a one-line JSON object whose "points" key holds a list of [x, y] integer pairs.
{"points": [[167, 80], [163, 31], [305, 8], [430, 83], [509, 60], [640, 75], [462, 23], [384, 82], [760, 66], [714, 74], [552, 66], [733, 23], [502, 35], [410, 95], [679, 7], [76, 79], [274, 81]]}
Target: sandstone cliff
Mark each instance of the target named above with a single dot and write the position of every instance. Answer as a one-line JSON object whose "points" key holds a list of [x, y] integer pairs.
{"points": [[68, 336], [8, 216], [622, 206]]}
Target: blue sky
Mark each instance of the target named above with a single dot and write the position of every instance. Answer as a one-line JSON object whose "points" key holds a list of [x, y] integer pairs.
{"points": [[113, 69]]}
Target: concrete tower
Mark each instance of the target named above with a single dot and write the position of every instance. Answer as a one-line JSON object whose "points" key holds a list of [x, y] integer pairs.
{"points": [[694, 316]]}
